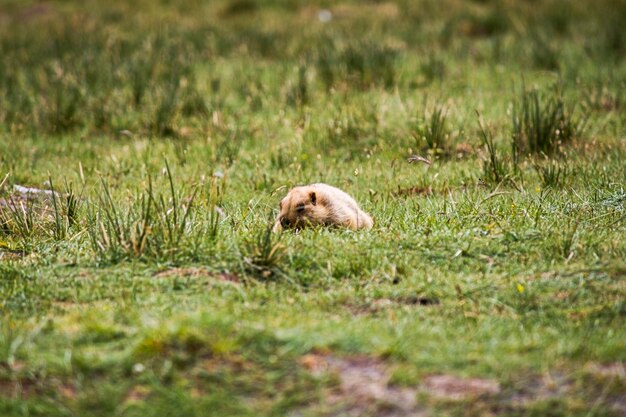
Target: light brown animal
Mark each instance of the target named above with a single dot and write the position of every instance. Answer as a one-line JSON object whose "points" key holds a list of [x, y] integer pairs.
{"points": [[320, 205]]}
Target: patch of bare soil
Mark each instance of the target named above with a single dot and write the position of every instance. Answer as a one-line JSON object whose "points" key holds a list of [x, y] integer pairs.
{"points": [[463, 149], [43, 9], [539, 388], [67, 391], [138, 393], [25, 14], [612, 378], [412, 191], [363, 386], [383, 304], [450, 387], [22, 387], [15, 388], [609, 370], [10, 255], [194, 272]]}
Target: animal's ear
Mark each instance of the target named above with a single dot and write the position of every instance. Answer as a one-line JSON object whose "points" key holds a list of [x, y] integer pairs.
{"points": [[313, 198]]}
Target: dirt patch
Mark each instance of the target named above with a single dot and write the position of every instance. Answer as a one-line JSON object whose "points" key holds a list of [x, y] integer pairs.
{"points": [[35, 11], [197, 273], [610, 370], [610, 381], [137, 393], [562, 295], [412, 191], [450, 387], [67, 391], [363, 385], [383, 304], [528, 390], [18, 386], [463, 149], [15, 366], [11, 255], [416, 300]]}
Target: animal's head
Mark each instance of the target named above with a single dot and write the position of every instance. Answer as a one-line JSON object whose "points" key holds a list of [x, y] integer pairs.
{"points": [[300, 208]]}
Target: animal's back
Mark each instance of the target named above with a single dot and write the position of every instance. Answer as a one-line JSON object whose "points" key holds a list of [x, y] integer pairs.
{"points": [[343, 207], [336, 194]]}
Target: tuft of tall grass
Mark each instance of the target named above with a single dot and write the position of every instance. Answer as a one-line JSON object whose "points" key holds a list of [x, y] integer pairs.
{"points": [[155, 225], [66, 208], [215, 197], [171, 214], [119, 232], [604, 95], [263, 255], [551, 171], [495, 168], [40, 214], [431, 131], [17, 217], [542, 125]]}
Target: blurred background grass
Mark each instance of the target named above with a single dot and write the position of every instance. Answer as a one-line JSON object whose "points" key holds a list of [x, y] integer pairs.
{"points": [[162, 67]]}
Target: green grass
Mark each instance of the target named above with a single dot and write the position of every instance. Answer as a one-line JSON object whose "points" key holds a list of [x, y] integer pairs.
{"points": [[149, 282]]}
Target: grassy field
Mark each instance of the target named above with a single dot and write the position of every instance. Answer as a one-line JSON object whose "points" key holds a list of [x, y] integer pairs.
{"points": [[146, 281]]}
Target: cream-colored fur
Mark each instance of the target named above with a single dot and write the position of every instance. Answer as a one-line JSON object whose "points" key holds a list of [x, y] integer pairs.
{"points": [[320, 204]]}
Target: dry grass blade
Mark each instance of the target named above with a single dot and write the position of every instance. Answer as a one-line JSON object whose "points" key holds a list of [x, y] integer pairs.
{"points": [[417, 158]]}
